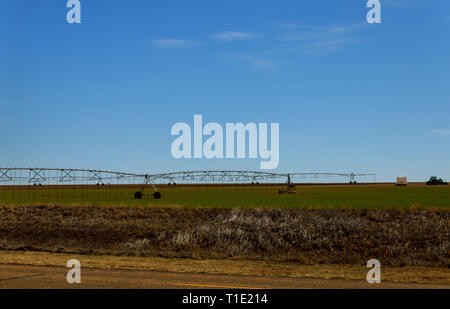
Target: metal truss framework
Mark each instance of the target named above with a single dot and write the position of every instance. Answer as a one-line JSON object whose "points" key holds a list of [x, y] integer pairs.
{"points": [[28, 176]]}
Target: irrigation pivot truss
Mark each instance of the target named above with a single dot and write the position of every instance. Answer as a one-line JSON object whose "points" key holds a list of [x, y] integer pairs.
{"points": [[14, 178]]}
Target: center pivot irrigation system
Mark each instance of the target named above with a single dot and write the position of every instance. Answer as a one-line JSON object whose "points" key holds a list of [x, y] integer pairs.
{"points": [[60, 177]]}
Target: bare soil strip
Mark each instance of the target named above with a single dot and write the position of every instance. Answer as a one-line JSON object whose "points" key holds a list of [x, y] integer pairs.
{"points": [[46, 277], [354, 274]]}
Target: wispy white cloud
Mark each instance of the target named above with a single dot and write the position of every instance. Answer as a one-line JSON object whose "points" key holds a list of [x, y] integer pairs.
{"points": [[319, 29], [263, 64], [175, 43], [441, 132], [299, 36], [319, 39], [235, 36], [327, 46], [405, 4]]}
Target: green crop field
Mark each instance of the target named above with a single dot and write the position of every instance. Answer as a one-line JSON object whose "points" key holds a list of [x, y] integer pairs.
{"points": [[380, 196]]}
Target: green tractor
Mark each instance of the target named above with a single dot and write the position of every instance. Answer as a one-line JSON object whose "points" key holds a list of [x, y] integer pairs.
{"points": [[434, 181]]}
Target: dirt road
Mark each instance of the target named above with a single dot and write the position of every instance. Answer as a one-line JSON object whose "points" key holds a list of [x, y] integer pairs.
{"points": [[48, 277]]}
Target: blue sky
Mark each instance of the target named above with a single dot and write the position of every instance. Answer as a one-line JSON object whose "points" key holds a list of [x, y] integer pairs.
{"points": [[349, 96]]}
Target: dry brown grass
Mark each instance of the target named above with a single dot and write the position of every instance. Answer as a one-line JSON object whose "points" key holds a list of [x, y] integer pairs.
{"points": [[332, 236], [406, 274]]}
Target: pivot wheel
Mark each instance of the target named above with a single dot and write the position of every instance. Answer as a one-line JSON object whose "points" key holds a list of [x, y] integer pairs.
{"points": [[157, 195], [138, 195]]}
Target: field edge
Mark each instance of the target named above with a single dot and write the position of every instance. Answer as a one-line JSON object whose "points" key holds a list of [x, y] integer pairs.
{"points": [[405, 274]]}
